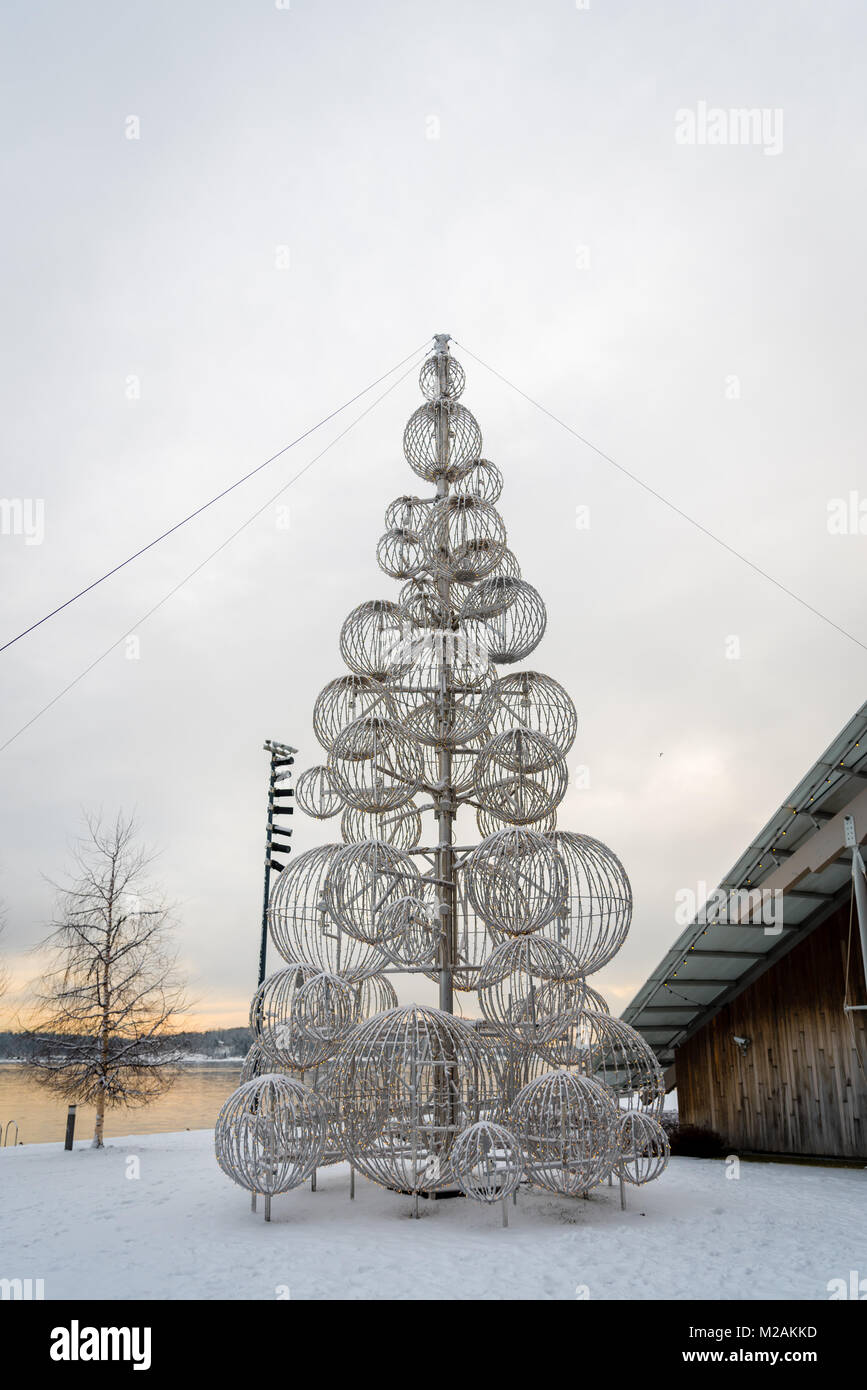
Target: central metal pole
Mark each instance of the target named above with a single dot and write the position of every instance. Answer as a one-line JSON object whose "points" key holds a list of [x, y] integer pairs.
{"points": [[445, 797]]}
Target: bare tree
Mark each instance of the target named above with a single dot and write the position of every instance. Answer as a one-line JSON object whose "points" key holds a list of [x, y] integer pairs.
{"points": [[105, 1008]]}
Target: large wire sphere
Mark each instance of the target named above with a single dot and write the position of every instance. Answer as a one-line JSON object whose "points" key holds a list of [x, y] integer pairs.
{"points": [[520, 777], [442, 425], [644, 1148], [344, 700], [406, 1083], [279, 1022], [316, 794], [569, 1127], [374, 765], [401, 827], [488, 1162], [506, 567], [597, 905], [407, 513], [363, 880], [509, 615], [441, 375], [464, 539], [301, 927], [489, 824], [515, 880], [400, 554], [483, 480], [410, 933], [528, 700], [270, 1134], [612, 1051], [423, 607], [440, 656], [373, 639], [531, 989]]}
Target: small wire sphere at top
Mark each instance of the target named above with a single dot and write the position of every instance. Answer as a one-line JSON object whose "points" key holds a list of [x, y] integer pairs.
{"points": [[464, 539], [373, 639], [400, 554], [569, 1126], [520, 777], [344, 700], [529, 700], [488, 1162], [482, 480], [644, 1148], [363, 880], [374, 765], [301, 927], [279, 1022], [597, 905], [531, 989], [270, 1134], [510, 616], [441, 440], [316, 794], [441, 375], [405, 1084], [515, 880], [401, 827]]}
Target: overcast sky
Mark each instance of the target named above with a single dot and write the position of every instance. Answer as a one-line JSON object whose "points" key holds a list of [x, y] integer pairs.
{"points": [[517, 175]]}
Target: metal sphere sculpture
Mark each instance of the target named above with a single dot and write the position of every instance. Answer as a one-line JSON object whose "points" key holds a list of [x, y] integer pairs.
{"points": [[570, 1128], [423, 728], [488, 1162], [644, 1148], [270, 1134], [405, 1084]]}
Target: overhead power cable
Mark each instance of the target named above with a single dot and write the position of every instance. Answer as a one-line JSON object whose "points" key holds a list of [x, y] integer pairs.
{"points": [[666, 502], [193, 572], [205, 505]]}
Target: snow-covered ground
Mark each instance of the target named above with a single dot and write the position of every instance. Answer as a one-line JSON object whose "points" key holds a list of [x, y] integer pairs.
{"points": [[153, 1217]]}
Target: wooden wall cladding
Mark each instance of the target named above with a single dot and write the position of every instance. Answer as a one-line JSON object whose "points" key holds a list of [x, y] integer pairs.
{"points": [[801, 1087]]}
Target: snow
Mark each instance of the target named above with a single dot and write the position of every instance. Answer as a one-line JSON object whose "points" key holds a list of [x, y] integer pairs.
{"points": [[91, 1229]]}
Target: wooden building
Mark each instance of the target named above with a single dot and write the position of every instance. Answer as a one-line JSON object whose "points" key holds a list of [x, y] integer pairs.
{"points": [[757, 1010]]}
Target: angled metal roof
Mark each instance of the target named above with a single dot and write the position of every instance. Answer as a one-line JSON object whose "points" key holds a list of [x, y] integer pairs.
{"points": [[798, 861]]}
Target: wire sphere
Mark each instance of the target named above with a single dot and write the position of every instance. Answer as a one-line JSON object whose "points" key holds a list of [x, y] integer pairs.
{"points": [[507, 567], [441, 440], [279, 1021], [510, 616], [597, 905], [528, 700], [373, 639], [463, 766], [482, 480], [612, 1051], [316, 795], [344, 700], [515, 881], [301, 927], [364, 879], [488, 1162], [410, 932], [520, 776], [270, 1134], [489, 824], [373, 995], [405, 1084], [441, 655], [401, 827], [423, 607], [569, 1126], [441, 375], [255, 1064], [400, 554], [531, 989], [644, 1148], [407, 513], [464, 538], [374, 765]]}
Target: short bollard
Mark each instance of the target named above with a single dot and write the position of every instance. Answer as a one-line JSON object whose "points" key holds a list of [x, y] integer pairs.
{"points": [[70, 1127]]}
